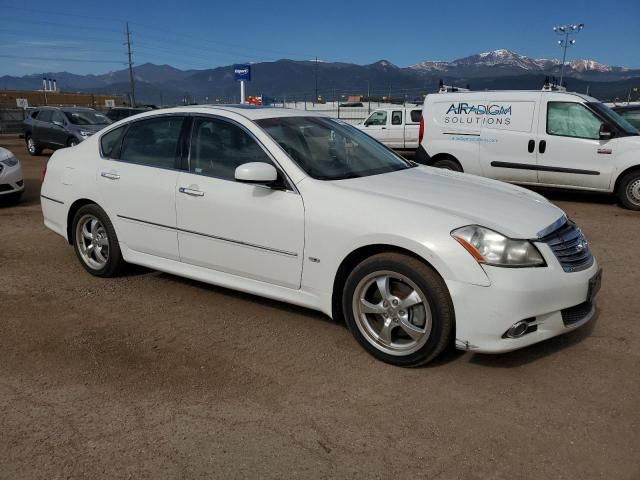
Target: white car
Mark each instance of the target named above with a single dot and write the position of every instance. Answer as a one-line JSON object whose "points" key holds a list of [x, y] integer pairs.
{"points": [[396, 127], [546, 138], [11, 179], [311, 211]]}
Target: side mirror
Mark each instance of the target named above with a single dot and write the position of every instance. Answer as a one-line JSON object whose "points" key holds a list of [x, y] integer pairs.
{"points": [[606, 132], [256, 172]]}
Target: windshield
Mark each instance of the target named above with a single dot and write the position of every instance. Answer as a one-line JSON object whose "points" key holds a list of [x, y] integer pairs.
{"points": [[614, 118], [87, 118], [327, 149]]}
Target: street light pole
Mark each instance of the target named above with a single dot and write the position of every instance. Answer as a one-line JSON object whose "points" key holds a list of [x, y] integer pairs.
{"points": [[565, 31]]}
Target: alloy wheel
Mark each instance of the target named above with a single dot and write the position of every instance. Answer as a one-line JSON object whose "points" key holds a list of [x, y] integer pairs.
{"points": [[93, 242], [633, 191], [392, 313]]}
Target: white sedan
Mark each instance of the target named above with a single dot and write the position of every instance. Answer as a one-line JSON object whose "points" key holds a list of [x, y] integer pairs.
{"points": [[309, 210], [11, 180]]}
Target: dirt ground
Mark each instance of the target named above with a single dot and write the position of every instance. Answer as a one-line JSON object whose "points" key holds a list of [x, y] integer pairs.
{"points": [[154, 376]]}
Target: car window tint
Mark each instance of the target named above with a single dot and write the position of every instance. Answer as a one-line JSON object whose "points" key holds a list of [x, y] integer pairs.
{"points": [[416, 115], [396, 118], [44, 115], [377, 118], [110, 141], [571, 119], [631, 116], [57, 117], [153, 142], [219, 147]]}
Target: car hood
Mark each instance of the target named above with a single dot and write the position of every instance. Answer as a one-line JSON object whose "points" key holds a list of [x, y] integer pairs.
{"points": [[510, 210], [4, 153]]}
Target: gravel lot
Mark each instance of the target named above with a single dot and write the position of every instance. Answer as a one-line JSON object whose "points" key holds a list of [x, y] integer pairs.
{"points": [[154, 376]]}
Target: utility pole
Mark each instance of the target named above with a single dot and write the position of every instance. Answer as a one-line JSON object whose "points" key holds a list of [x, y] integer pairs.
{"points": [[316, 79], [565, 31], [132, 85], [369, 94]]}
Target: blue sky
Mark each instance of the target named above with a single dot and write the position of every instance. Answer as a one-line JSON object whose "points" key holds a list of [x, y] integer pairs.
{"points": [[87, 37]]}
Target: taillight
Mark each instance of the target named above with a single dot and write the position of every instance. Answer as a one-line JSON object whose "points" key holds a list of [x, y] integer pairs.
{"points": [[421, 131], [44, 170]]}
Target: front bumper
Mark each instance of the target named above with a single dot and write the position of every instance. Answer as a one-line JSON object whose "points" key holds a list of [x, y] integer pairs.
{"points": [[551, 300], [11, 180]]}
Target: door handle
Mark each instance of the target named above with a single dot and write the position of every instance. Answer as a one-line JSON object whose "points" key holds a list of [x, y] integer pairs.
{"points": [[383, 128], [542, 146], [110, 176], [191, 191], [531, 146]]}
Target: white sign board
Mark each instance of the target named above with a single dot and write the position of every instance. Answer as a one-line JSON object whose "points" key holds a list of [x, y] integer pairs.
{"points": [[22, 102], [110, 103]]}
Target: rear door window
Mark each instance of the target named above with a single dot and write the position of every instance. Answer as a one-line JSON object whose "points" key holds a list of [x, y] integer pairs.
{"points": [[153, 142], [396, 117]]}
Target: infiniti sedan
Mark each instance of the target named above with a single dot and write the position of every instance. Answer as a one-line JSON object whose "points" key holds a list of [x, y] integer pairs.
{"points": [[309, 210]]}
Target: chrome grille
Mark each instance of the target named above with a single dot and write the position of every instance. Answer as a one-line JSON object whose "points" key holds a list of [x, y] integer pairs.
{"points": [[570, 247]]}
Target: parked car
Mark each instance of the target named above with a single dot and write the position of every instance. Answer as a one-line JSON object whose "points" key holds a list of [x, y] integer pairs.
{"points": [[59, 127], [631, 113], [312, 211], [118, 113], [11, 180], [549, 138], [395, 127]]}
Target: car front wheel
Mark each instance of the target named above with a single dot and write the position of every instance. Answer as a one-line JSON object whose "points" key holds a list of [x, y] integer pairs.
{"points": [[32, 146], [95, 242], [399, 309]]}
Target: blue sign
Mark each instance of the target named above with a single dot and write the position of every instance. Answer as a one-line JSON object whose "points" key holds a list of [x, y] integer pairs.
{"points": [[242, 72]]}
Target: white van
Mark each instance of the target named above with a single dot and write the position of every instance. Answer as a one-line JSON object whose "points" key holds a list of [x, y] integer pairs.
{"points": [[549, 138], [396, 127]]}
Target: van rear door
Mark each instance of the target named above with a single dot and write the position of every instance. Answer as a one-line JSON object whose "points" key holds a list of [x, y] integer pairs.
{"points": [[509, 138]]}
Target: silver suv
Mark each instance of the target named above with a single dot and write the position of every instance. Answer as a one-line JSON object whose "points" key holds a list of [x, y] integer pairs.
{"points": [[59, 127]]}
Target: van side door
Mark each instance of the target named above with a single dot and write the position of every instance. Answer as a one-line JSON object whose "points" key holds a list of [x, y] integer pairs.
{"points": [[570, 152], [509, 138]]}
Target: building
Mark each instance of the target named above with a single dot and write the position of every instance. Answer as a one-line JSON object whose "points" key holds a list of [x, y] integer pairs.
{"points": [[37, 98]]}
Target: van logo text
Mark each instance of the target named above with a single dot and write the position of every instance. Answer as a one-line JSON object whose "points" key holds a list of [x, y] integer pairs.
{"points": [[465, 108]]}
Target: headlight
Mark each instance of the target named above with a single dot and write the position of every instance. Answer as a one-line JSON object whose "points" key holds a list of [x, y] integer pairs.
{"points": [[493, 248], [85, 133], [10, 162]]}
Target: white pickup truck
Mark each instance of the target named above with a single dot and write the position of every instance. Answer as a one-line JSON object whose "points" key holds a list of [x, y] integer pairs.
{"points": [[396, 127]]}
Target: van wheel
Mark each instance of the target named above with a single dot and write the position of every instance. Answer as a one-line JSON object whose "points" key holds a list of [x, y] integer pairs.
{"points": [[32, 147], [399, 309], [448, 164], [629, 190]]}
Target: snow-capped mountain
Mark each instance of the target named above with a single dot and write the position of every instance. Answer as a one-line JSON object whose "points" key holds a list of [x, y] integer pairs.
{"points": [[506, 61]]}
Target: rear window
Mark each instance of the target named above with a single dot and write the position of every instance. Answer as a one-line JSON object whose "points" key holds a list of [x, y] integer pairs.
{"points": [[416, 115], [110, 142]]}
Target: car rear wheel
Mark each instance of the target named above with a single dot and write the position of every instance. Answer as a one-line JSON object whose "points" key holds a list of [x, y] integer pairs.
{"points": [[399, 309], [32, 147], [95, 242], [629, 190]]}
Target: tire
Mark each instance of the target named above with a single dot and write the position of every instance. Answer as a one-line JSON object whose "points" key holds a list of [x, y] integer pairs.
{"points": [[448, 164], [32, 147], [396, 328], [104, 259], [629, 190], [72, 142]]}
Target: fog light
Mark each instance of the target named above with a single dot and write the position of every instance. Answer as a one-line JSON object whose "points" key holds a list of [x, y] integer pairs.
{"points": [[518, 329]]}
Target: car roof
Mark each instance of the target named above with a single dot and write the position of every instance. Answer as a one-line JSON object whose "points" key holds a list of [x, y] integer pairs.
{"points": [[250, 112], [67, 109]]}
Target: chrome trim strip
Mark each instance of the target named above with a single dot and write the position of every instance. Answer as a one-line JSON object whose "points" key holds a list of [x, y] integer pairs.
{"points": [[52, 199], [552, 228], [223, 239]]}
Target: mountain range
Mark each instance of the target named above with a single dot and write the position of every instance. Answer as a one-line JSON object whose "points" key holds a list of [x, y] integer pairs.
{"points": [[295, 79]]}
